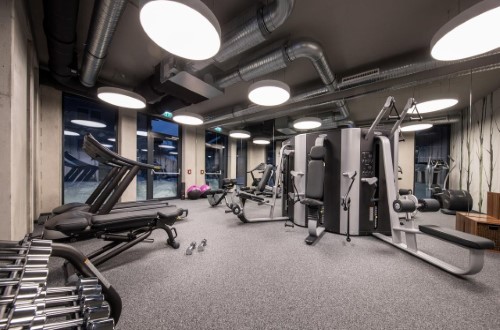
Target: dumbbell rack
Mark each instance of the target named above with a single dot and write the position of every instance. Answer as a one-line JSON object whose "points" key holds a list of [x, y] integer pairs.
{"points": [[28, 302]]}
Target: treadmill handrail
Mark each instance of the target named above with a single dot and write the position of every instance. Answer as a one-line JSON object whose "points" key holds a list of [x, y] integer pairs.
{"points": [[110, 156]]}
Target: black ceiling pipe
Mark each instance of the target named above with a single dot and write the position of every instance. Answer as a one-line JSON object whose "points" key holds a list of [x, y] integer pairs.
{"points": [[60, 17], [167, 103]]}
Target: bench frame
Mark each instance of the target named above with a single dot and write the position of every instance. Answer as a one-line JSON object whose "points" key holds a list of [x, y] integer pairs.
{"points": [[404, 233]]}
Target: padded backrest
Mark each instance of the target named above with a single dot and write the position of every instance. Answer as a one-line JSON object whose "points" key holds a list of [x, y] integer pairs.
{"points": [[315, 173], [268, 170]]}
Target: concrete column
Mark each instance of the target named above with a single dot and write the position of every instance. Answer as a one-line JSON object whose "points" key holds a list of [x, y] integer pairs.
{"points": [[49, 170], [193, 156], [231, 159], [256, 154], [127, 145], [407, 161], [16, 64]]}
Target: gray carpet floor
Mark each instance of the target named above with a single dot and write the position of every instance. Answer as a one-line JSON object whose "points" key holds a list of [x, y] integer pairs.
{"points": [[263, 276]]}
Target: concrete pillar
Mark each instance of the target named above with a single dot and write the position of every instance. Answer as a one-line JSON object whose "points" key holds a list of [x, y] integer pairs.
{"points": [[231, 159], [256, 154], [407, 161], [193, 156], [49, 170], [16, 110], [127, 145]]}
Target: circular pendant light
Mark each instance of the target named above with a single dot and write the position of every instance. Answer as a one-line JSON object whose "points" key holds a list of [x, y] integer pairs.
{"points": [[142, 133], [435, 105], [71, 133], [121, 97], [470, 33], [307, 123], [415, 126], [239, 134], [269, 92], [186, 28], [188, 118], [261, 140], [88, 123]]}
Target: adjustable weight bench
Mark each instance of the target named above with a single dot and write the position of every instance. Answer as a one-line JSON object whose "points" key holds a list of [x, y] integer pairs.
{"points": [[124, 230]]}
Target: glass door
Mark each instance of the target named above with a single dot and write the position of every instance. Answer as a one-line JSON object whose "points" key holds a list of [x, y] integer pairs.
{"points": [[165, 155], [215, 159]]}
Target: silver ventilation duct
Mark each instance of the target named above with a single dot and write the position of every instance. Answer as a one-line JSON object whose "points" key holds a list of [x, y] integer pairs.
{"points": [[278, 59], [347, 88], [105, 18], [249, 30]]}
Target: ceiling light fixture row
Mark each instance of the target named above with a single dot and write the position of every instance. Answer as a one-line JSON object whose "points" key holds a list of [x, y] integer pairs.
{"points": [[239, 134], [261, 140]]}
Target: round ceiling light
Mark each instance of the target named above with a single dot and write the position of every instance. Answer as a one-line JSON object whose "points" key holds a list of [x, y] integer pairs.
{"points": [[307, 123], [121, 97], [173, 153], [261, 140], [435, 105], [88, 123], [470, 33], [269, 92], [112, 139], [71, 133], [166, 146], [106, 145], [142, 133], [188, 118], [186, 28], [415, 126], [239, 134]]}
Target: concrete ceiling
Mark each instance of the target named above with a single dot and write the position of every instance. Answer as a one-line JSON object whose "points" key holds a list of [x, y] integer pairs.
{"points": [[356, 35]]}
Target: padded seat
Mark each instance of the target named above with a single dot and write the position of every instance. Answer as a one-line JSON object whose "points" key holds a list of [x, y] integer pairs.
{"points": [[71, 207], [311, 202], [246, 195], [457, 237], [72, 221]]}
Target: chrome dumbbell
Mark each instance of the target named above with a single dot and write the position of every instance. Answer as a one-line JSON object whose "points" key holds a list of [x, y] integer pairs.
{"points": [[202, 245], [191, 248]]}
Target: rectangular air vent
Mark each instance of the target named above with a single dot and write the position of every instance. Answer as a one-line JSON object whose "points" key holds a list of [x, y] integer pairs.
{"points": [[360, 76]]}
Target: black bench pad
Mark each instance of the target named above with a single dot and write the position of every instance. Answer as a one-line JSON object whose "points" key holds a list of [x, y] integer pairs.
{"points": [[311, 202], [458, 237], [72, 221], [215, 192], [71, 207]]}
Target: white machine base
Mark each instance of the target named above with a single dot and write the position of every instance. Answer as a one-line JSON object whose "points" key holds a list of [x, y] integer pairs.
{"points": [[476, 257], [314, 231]]}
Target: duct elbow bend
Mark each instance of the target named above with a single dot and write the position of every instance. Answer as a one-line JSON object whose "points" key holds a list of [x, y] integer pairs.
{"points": [[276, 13], [307, 48]]}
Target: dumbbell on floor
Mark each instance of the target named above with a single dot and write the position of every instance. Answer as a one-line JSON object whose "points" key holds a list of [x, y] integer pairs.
{"points": [[191, 248], [202, 245]]}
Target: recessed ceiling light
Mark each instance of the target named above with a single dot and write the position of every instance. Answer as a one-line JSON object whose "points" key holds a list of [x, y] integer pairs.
{"points": [[71, 133], [239, 134], [166, 146], [307, 123], [415, 126], [112, 139], [269, 92], [188, 118], [142, 133], [88, 123], [121, 97], [435, 105], [261, 141], [184, 28], [470, 33]]}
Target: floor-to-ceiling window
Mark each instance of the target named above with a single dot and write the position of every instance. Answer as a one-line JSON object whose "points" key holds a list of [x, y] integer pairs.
{"points": [[158, 143], [81, 173], [432, 150], [215, 158], [241, 162]]}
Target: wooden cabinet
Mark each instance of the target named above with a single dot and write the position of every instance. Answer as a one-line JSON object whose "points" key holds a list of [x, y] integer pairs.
{"points": [[493, 205], [479, 224]]}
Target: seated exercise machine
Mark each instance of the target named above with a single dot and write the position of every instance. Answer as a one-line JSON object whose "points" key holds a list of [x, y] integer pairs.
{"points": [[215, 197], [313, 200], [257, 195], [403, 234], [123, 229]]}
